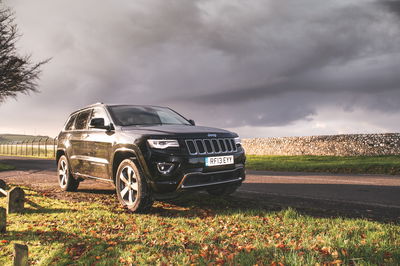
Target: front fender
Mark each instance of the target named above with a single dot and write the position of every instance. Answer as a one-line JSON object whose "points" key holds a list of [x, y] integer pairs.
{"points": [[133, 149]]}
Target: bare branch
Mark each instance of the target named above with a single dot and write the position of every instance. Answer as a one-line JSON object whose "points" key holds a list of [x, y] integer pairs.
{"points": [[17, 73]]}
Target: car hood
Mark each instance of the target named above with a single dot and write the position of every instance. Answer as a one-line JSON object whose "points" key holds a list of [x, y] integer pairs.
{"points": [[176, 130]]}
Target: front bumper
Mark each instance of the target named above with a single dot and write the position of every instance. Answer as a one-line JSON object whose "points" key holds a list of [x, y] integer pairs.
{"points": [[203, 180], [190, 172]]}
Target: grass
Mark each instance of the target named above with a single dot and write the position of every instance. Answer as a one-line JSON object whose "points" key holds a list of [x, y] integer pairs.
{"points": [[331, 164], [4, 167], [196, 229]]}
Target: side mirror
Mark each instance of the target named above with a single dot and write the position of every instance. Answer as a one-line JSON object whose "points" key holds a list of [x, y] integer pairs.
{"points": [[99, 123], [191, 121]]}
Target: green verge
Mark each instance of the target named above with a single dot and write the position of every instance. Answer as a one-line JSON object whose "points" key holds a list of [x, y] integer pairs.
{"points": [[4, 167], [191, 230], [331, 164]]}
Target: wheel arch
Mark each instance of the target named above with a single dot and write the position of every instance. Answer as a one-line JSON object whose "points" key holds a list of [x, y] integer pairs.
{"points": [[59, 153], [126, 153]]}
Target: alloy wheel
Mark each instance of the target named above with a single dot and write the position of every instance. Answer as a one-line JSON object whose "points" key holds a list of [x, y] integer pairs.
{"points": [[128, 186], [63, 173]]}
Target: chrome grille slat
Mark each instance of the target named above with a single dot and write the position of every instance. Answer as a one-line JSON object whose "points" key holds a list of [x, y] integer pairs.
{"points": [[217, 145], [222, 145], [228, 145], [191, 147], [200, 146], [208, 145]]}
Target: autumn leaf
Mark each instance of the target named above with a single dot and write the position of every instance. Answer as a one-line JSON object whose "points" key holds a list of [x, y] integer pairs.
{"points": [[220, 261], [337, 262], [249, 248], [326, 250], [281, 245], [230, 257]]}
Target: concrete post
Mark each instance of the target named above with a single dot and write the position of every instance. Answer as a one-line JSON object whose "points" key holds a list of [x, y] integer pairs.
{"points": [[3, 220], [20, 255], [15, 200]]}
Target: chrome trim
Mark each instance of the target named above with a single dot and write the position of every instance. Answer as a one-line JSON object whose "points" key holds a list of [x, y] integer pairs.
{"points": [[226, 145], [219, 146], [211, 145], [209, 173], [89, 176], [187, 146], [228, 141], [225, 141], [90, 159], [214, 183], [219, 143], [202, 143]]}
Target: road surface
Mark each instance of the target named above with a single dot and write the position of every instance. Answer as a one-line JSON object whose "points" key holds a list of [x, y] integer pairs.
{"points": [[370, 195]]}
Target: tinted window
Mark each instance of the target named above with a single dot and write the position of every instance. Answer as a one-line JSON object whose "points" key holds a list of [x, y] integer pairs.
{"points": [[70, 123], [100, 113], [144, 115], [82, 119]]}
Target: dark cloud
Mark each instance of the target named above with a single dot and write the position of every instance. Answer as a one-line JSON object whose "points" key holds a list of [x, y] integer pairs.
{"points": [[393, 6], [259, 63]]}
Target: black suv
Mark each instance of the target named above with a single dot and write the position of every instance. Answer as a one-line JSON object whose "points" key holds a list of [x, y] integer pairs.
{"points": [[148, 152]]}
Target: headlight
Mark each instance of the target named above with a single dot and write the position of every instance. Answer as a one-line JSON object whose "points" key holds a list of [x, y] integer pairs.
{"points": [[163, 143], [238, 141]]}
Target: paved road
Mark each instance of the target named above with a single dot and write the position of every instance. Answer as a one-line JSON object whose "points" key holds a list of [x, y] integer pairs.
{"points": [[38, 173], [372, 191], [375, 190]]}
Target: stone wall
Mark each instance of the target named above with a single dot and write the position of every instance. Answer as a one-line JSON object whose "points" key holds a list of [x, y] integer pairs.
{"points": [[337, 145]]}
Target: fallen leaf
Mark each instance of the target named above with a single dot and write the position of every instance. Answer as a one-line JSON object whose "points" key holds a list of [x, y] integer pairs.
{"points": [[281, 245]]}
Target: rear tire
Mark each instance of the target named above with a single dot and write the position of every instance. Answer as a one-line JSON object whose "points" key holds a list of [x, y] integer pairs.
{"points": [[65, 179], [223, 191], [131, 188]]}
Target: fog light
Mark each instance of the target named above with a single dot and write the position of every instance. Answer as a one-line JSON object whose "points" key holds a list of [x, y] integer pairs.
{"points": [[165, 168]]}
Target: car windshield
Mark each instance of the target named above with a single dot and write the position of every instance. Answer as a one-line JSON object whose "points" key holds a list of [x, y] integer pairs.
{"points": [[143, 115]]}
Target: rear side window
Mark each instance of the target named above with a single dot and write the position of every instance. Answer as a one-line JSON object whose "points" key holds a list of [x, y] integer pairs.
{"points": [[70, 123], [82, 119]]}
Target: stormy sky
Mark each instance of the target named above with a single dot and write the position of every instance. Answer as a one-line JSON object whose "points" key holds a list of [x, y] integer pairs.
{"points": [[260, 68]]}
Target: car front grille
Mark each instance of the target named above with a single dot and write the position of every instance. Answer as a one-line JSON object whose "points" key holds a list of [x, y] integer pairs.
{"points": [[210, 146]]}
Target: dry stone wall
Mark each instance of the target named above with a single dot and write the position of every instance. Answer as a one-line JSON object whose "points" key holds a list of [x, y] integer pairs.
{"points": [[336, 145]]}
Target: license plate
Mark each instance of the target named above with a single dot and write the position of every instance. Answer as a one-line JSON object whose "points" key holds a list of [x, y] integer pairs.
{"points": [[219, 160]]}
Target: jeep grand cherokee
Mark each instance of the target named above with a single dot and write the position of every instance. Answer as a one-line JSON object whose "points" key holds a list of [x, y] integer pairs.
{"points": [[147, 152]]}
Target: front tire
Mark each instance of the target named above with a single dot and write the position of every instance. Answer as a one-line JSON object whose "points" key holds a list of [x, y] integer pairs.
{"points": [[131, 188], [65, 179]]}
